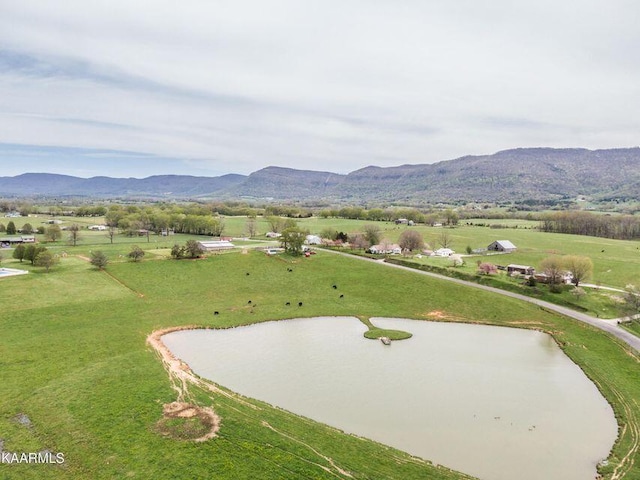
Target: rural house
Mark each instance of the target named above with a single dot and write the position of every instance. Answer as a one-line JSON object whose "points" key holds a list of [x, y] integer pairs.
{"points": [[504, 246], [386, 249]]}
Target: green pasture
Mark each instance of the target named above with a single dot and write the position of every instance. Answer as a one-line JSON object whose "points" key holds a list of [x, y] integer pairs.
{"points": [[616, 262], [74, 360]]}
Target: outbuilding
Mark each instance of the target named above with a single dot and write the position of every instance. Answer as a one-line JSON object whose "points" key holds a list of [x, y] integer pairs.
{"points": [[504, 246], [216, 245], [514, 269]]}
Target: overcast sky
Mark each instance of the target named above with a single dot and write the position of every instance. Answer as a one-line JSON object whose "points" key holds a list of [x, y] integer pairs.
{"points": [[131, 88]]}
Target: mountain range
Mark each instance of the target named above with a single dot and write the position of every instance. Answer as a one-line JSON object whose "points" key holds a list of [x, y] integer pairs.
{"points": [[510, 175]]}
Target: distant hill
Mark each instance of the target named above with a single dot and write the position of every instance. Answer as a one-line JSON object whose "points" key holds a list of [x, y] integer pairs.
{"points": [[288, 183], [178, 186], [519, 174]]}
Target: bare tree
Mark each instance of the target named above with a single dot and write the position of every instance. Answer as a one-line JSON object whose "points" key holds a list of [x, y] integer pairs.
{"points": [[444, 239], [553, 268], [111, 232], [411, 240], [74, 234], [579, 267], [252, 226], [357, 240]]}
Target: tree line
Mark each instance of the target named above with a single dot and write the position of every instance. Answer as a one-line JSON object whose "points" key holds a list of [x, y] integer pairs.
{"points": [[621, 227]]}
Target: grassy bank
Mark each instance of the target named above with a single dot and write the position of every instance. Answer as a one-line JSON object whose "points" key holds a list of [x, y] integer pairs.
{"points": [[75, 362]]}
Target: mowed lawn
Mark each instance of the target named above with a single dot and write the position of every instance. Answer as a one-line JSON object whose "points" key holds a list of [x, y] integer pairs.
{"points": [[74, 360]]}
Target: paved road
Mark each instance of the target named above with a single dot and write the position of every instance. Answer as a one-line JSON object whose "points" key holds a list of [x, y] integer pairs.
{"points": [[610, 326]]}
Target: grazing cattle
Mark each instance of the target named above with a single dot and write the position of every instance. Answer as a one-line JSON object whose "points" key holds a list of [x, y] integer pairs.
{"points": [[335, 287], [216, 312], [341, 296], [247, 273], [288, 303], [299, 304], [249, 302]]}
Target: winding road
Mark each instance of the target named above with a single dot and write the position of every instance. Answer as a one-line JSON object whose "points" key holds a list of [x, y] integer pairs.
{"points": [[609, 326]]}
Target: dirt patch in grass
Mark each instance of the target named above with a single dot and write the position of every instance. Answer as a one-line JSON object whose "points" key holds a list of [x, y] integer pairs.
{"points": [[186, 421], [440, 315]]}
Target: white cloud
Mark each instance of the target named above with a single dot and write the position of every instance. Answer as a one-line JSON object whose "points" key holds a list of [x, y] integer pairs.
{"points": [[328, 85]]}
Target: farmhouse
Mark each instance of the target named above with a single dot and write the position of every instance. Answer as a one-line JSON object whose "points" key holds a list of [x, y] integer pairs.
{"points": [[216, 245], [504, 246], [386, 249], [99, 228], [443, 252]]}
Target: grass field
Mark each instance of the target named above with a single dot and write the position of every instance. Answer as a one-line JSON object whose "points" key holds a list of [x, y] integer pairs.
{"points": [[616, 263], [74, 361]]}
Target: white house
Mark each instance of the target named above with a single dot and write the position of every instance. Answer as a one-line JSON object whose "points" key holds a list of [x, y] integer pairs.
{"points": [[443, 252], [273, 235], [313, 240], [97, 227], [392, 248]]}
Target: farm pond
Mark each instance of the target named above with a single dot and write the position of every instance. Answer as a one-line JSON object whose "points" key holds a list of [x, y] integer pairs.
{"points": [[494, 402]]}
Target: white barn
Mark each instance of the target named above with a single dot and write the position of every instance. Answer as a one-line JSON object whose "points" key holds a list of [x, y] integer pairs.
{"points": [[502, 246]]}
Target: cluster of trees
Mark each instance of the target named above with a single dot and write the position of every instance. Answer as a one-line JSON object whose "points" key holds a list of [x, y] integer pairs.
{"points": [[38, 255], [292, 240], [90, 211], [131, 220], [191, 249], [622, 227]]}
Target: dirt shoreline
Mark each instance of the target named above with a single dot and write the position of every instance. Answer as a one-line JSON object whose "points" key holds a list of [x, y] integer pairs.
{"points": [[181, 375]]}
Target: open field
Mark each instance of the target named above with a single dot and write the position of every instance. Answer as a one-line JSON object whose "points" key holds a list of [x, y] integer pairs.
{"points": [[74, 360], [616, 262]]}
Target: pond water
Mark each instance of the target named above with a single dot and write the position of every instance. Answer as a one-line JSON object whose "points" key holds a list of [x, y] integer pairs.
{"points": [[497, 403]]}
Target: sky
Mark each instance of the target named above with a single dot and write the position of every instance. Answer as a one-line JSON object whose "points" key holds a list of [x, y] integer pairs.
{"points": [[132, 88]]}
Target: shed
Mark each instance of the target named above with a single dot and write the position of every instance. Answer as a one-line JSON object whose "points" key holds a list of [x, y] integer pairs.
{"points": [[501, 246]]}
